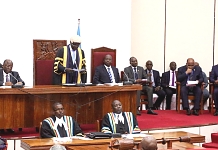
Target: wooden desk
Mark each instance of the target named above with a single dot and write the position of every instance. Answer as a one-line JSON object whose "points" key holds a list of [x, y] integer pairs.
{"points": [[176, 146], [28, 106], [45, 144]]}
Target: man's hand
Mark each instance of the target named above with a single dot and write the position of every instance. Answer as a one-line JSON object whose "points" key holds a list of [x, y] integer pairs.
{"points": [[188, 71], [8, 83], [157, 88], [138, 80], [216, 81], [19, 83], [69, 70]]}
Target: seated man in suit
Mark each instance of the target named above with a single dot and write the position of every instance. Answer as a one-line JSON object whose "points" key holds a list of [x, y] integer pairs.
{"points": [[149, 143], [214, 79], [135, 74], [59, 125], [119, 121], [186, 73], [206, 93], [106, 73], [8, 78], [168, 82], [154, 77]]}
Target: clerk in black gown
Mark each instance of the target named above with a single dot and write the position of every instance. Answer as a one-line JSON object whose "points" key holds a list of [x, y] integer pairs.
{"points": [[118, 121], [59, 125]]}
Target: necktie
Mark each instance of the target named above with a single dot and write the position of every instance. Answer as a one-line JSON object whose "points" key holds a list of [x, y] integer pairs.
{"points": [[136, 74], [109, 72], [7, 78], [173, 78]]}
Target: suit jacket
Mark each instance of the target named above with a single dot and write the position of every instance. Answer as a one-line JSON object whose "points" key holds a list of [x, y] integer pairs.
{"points": [[12, 79], [214, 74], [101, 75], [156, 76], [165, 79], [183, 77], [129, 72]]}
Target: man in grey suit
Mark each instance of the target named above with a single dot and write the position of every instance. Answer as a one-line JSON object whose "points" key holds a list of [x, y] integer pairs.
{"points": [[135, 74]]}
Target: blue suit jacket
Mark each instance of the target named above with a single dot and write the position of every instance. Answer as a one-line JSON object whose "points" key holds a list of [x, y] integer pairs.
{"points": [[156, 76], [182, 77], [101, 75], [214, 74], [12, 79]]}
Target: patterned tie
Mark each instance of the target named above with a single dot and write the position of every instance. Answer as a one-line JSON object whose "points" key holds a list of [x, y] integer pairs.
{"points": [[173, 78], [136, 74], [7, 78], [109, 72]]}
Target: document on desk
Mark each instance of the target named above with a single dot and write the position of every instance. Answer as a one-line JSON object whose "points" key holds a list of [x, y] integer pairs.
{"points": [[5, 87], [80, 138], [111, 84], [131, 136], [62, 139]]}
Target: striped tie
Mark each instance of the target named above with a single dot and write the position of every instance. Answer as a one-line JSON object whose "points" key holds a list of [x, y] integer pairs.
{"points": [[109, 72]]}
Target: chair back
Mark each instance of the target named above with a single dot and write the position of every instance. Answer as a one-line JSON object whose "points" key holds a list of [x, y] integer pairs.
{"points": [[98, 125], [44, 54]]}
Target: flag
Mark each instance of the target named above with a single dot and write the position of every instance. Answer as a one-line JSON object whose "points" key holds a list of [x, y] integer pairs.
{"points": [[78, 30]]}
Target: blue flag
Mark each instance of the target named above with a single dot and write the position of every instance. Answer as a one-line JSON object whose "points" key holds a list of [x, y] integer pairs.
{"points": [[78, 30]]}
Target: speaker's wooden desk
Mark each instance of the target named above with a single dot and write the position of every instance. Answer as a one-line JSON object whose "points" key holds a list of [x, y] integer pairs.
{"points": [[28, 106], [45, 144]]}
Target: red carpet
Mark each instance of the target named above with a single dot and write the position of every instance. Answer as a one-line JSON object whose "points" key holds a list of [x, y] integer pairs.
{"points": [[171, 119], [164, 120]]}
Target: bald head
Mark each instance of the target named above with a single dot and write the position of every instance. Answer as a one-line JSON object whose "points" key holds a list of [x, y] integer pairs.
{"points": [[149, 143], [190, 63]]}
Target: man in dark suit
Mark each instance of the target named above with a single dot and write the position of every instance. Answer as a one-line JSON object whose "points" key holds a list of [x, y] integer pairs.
{"points": [[214, 79], [106, 73], [186, 73], [8, 78], [168, 82], [154, 77], [136, 74]]}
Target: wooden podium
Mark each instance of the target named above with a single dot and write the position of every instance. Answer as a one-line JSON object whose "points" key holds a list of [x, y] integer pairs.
{"points": [[28, 106]]}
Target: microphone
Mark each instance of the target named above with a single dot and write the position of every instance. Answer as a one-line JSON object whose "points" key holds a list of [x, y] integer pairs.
{"points": [[16, 85], [127, 82]]}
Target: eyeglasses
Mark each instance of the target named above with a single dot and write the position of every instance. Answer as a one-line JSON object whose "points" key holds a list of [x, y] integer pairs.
{"points": [[148, 64]]}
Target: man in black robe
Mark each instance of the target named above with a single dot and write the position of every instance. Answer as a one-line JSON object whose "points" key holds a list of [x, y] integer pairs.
{"points": [[70, 64], [118, 121], [59, 125]]}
